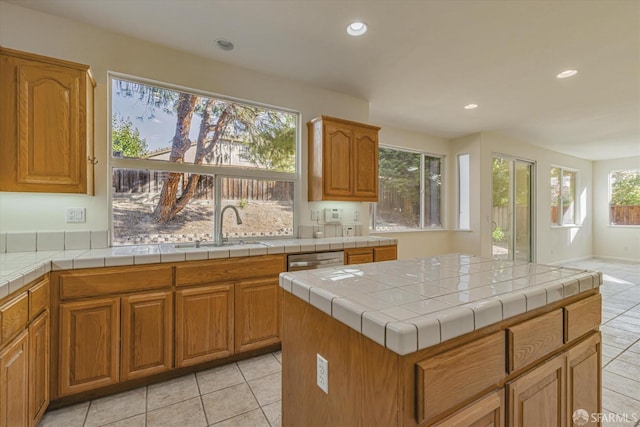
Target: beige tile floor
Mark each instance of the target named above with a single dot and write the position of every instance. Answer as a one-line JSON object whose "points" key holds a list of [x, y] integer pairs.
{"points": [[247, 393]]}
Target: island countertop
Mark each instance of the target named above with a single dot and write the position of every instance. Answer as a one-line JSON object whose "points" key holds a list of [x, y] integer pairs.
{"points": [[410, 305]]}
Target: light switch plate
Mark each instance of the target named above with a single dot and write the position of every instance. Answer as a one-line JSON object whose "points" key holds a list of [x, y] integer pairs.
{"points": [[322, 370]]}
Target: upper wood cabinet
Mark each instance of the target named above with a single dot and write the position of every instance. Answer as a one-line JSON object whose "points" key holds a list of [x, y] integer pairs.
{"points": [[46, 124], [343, 160]]}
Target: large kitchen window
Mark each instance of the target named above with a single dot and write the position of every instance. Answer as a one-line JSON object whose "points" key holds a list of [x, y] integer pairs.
{"points": [[179, 156], [624, 197], [410, 191], [564, 209]]}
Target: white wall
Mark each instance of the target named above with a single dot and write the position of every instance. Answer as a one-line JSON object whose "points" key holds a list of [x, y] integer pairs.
{"points": [[44, 34], [616, 242]]}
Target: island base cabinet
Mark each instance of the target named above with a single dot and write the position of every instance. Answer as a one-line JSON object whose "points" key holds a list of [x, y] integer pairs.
{"points": [[537, 398], [486, 412], [204, 324], [147, 334], [257, 314], [39, 356], [89, 345], [14, 373]]}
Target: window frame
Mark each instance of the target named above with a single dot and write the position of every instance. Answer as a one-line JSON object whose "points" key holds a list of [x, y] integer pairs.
{"points": [[218, 172], [464, 193], [610, 195], [422, 192], [576, 209]]}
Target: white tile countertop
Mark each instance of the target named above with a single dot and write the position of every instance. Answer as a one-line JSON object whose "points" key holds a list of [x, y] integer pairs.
{"points": [[409, 305], [18, 269]]}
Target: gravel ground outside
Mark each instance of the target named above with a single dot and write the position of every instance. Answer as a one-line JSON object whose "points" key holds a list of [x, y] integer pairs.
{"points": [[134, 223]]}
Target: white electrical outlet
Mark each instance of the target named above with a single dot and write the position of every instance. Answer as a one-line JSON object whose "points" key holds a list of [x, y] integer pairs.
{"points": [[315, 214], [74, 215], [356, 215], [322, 370], [348, 231]]}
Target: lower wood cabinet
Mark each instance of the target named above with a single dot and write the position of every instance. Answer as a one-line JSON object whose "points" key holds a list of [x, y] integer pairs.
{"points": [[14, 374], [25, 356], [204, 324], [119, 324], [89, 345], [39, 357], [147, 334], [258, 315]]}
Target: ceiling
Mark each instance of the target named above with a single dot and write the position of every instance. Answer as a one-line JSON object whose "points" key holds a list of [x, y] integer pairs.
{"points": [[422, 60]]}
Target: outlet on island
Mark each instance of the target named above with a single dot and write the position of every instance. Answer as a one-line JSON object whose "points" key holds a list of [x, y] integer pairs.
{"points": [[322, 371]]}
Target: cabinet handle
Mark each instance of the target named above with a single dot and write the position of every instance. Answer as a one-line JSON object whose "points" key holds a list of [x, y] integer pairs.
{"points": [[93, 160]]}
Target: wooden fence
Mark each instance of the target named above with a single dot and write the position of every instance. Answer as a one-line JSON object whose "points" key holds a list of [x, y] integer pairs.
{"points": [[146, 181], [624, 215]]}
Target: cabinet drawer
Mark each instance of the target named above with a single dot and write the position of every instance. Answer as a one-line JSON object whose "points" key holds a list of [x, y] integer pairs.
{"points": [[385, 253], [14, 316], [358, 256], [456, 376], [197, 273], [582, 317], [38, 298], [106, 281], [533, 339]]}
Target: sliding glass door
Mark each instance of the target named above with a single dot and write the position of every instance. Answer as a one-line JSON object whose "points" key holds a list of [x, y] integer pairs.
{"points": [[512, 209]]}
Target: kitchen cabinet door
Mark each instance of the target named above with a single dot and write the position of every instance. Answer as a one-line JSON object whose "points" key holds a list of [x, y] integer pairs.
{"points": [[584, 377], [147, 334], [365, 164], [337, 168], [258, 314], [204, 324], [39, 356], [46, 124], [537, 398], [89, 345], [14, 374]]}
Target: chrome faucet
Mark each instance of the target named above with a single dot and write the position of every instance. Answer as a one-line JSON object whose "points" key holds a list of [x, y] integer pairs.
{"points": [[219, 241]]}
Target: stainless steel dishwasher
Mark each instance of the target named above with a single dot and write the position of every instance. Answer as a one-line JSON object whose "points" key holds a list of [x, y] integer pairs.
{"points": [[315, 260]]}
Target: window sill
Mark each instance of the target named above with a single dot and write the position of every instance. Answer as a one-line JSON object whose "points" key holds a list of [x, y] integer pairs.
{"points": [[623, 226]]}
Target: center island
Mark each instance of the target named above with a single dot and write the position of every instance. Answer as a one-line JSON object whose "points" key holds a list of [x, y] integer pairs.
{"points": [[452, 340]]}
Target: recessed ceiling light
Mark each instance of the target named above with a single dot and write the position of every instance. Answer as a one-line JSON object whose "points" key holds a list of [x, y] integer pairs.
{"points": [[224, 44], [357, 28], [567, 73], [471, 106]]}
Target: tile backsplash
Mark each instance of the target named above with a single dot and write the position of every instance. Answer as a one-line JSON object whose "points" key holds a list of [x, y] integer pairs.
{"points": [[31, 241]]}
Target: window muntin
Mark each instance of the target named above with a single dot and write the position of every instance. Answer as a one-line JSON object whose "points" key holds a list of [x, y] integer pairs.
{"points": [[563, 184], [410, 186], [624, 199], [166, 165]]}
